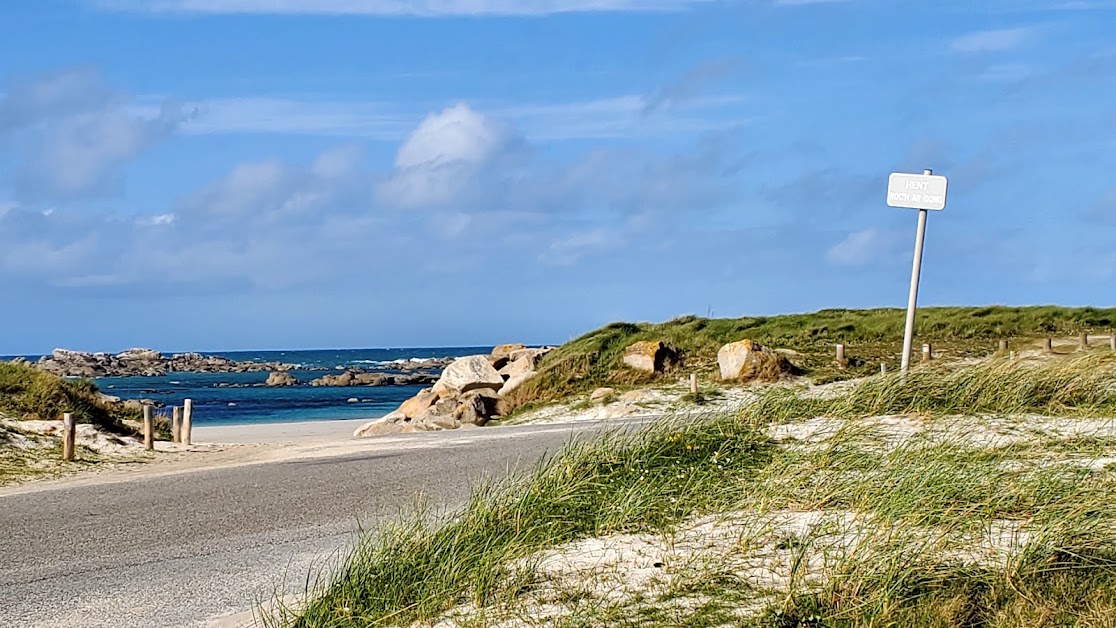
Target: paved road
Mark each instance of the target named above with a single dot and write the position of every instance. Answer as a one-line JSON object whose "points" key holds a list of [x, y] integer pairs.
{"points": [[182, 550]]}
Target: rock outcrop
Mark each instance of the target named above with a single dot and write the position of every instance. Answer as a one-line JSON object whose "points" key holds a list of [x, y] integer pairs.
{"points": [[281, 378], [648, 356], [146, 362], [356, 377], [468, 393], [470, 373], [745, 360]]}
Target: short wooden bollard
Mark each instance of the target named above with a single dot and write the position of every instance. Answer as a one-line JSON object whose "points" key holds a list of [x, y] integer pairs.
{"points": [[1112, 340], [176, 424], [1048, 346], [1003, 346], [883, 368], [842, 361], [148, 427], [693, 383], [187, 420], [927, 353], [1084, 340], [69, 437]]}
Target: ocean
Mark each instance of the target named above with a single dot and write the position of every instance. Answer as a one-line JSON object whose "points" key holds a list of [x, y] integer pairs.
{"points": [[223, 398]]}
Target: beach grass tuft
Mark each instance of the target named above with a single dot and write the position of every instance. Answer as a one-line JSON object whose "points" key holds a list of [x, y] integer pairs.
{"points": [[919, 500]]}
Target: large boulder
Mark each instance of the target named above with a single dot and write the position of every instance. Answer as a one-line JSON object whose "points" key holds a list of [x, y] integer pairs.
{"points": [[466, 374], [371, 379], [734, 357], [281, 378], [505, 351], [477, 407], [440, 416], [647, 356], [418, 404], [394, 423], [140, 355], [534, 355], [746, 360], [523, 365]]}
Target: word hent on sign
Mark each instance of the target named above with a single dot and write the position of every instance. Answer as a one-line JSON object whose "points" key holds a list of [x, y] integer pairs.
{"points": [[917, 191]]}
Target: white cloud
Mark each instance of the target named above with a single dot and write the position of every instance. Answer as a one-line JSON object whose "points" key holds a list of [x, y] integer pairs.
{"points": [[457, 134], [70, 133], [993, 40], [157, 221], [443, 156], [430, 8]]}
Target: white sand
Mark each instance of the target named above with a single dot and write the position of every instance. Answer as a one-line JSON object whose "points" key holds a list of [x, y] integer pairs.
{"points": [[259, 433]]}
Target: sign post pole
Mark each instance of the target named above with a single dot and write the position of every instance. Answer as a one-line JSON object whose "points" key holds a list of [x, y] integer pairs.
{"points": [[922, 193]]}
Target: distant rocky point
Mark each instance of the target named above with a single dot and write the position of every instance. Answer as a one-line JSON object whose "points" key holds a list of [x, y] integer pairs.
{"points": [[144, 363]]}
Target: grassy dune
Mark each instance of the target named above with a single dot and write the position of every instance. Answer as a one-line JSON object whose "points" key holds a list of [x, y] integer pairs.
{"points": [[873, 336], [29, 394], [912, 521]]}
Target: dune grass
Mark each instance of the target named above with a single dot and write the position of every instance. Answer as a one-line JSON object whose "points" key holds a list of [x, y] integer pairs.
{"points": [[872, 336], [920, 497], [651, 479], [28, 393]]}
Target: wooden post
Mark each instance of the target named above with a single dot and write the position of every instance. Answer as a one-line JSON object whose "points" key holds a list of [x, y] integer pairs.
{"points": [[842, 361], [1112, 340], [1084, 340], [187, 420], [883, 368], [69, 437], [693, 383], [927, 352], [176, 424], [1003, 346], [1048, 345], [148, 427]]}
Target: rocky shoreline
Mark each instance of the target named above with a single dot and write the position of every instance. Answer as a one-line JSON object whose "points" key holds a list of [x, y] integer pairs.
{"points": [[469, 393], [144, 363], [152, 363]]}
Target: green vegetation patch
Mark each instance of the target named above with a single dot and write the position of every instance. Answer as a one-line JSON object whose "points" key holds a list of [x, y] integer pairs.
{"points": [[27, 393], [649, 480], [872, 336], [922, 502]]}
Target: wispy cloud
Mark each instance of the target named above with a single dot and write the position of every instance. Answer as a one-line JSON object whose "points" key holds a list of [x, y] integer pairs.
{"points": [[691, 83], [601, 118], [432, 8], [997, 40]]}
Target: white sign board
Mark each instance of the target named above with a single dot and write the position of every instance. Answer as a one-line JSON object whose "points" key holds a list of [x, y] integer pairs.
{"points": [[917, 191]]}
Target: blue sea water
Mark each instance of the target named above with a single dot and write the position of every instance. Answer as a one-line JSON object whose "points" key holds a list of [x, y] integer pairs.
{"points": [[214, 404]]}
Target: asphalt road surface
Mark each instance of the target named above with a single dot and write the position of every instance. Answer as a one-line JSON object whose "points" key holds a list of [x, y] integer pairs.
{"points": [[187, 549]]}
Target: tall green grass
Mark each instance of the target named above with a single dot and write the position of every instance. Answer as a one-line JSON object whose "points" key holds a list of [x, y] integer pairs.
{"points": [[649, 480], [27, 393], [873, 336], [416, 569]]}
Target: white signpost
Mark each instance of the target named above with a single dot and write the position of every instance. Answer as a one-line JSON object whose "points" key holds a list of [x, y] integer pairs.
{"points": [[922, 192]]}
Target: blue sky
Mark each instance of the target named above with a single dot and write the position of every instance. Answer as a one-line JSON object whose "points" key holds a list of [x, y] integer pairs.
{"points": [[239, 174]]}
